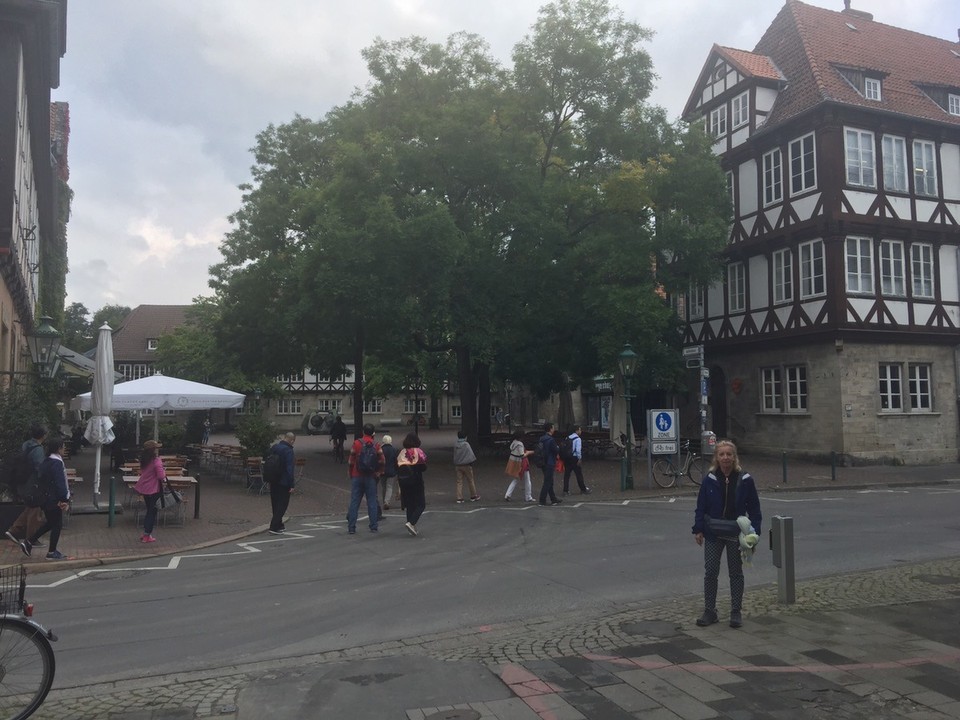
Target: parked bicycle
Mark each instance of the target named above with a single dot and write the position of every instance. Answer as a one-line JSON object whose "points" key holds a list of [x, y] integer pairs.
{"points": [[666, 473], [27, 663]]}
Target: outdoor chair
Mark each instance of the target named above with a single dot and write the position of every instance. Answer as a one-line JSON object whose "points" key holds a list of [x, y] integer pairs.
{"points": [[255, 481]]}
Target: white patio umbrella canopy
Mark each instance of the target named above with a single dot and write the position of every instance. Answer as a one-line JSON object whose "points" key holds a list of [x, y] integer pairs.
{"points": [[100, 428], [159, 392]]}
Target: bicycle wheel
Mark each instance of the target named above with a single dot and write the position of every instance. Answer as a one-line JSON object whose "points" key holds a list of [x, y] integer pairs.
{"points": [[26, 668], [664, 473], [697, 470]]}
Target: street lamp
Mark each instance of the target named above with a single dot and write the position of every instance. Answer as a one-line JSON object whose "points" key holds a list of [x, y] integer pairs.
{"points": [[508, 386], [44, 343], [628, 365], [416, 404]]}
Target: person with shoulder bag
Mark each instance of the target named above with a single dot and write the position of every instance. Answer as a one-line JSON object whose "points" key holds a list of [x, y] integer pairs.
{"points": [[726, 493], [150, 486], [518, 467]]}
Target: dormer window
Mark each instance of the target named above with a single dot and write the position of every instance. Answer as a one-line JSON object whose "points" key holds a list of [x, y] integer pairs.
{"points": [[152, 343], [953, 104], [871, 89]]}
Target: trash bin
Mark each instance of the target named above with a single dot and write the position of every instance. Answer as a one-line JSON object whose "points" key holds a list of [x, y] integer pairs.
{"points": [[708, 443]]}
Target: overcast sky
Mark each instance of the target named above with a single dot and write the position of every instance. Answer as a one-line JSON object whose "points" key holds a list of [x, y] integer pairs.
{"points": [[167, 96]]}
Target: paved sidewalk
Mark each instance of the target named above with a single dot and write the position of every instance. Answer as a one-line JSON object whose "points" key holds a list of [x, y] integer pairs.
{"points": [[879, 644]]}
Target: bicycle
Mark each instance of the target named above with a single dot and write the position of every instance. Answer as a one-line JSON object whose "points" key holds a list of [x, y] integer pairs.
{"points": [[337, 449], [27, 663], [666, 473]]}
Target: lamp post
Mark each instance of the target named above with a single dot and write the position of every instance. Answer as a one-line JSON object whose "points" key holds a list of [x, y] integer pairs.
{"points": [[416, 404], [628, 365], [44, 343], [508, 386]]}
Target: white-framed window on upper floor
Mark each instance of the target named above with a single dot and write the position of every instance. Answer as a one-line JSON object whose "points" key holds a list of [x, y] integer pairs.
{"points": [[894, 157], [783, 276], [924, 167], [891, 387], [803, 164], [892, 281], [772, 177], [730, 190], [133, 371], [331, 406], [736, 287], [858, 146], [860, 265], [373, 407], [771, 390], [292, 378], [696, 302], [717, 122], [415, 405], [741, 110], [813, 281], [921, 269], [953, 104], [167, 412], [796, 388], [920, 387], [153, 343], [250, 407], [288, 406], [455, 412], [872, 89]]}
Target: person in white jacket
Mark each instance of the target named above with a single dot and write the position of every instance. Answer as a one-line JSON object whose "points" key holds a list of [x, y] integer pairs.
{"points": [[463, 459]]}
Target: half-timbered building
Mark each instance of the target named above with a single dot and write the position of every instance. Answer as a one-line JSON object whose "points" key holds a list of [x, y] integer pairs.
{"points": [[835, 327]]}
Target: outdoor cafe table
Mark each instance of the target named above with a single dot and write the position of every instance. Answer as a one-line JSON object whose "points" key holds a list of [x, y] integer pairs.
{"points": [[178, 482]]}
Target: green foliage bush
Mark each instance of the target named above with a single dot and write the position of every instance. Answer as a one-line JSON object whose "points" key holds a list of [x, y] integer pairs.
{"points": [[256, 435]]}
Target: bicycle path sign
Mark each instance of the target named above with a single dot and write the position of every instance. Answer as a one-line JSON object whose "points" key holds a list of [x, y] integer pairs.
{"points": [[662, 428]]}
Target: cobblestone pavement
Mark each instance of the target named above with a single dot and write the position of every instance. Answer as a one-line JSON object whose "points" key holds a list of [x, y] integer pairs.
{"points": [[878, 644]]}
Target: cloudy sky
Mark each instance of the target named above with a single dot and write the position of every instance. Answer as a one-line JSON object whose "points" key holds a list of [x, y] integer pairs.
{"points": [[167, 96]]}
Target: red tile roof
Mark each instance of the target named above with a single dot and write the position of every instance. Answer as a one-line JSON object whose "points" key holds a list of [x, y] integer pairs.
{"points": [[144, 322], [750, 64]]}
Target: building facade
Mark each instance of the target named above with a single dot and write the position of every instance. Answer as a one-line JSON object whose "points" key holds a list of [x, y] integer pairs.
{"points": [[836, 327]]}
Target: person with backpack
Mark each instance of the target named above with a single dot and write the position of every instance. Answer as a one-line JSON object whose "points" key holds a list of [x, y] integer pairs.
{"points": [[54, 498], [463, 460], [389, 479], [24, 475], [546, 456], [571, 452], [366, 462], [411, 465], [282, 481]]}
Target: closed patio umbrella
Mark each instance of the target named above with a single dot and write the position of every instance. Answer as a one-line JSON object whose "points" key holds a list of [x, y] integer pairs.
{"points": [[100, 428]]}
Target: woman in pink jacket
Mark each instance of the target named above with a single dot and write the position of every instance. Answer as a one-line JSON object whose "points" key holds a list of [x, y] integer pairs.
{"points": [[150, 486]]}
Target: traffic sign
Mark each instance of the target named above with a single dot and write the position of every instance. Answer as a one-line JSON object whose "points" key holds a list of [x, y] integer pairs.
{"points": [[663, 448], [663, 425]]}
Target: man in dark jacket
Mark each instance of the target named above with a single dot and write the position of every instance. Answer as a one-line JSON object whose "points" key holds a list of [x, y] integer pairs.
{"points": [[31, 518], [550, 452], [281, 489]]}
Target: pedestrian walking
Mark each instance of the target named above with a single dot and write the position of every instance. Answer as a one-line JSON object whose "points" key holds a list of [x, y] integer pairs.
{"points": [[463, 460], [550, 453], [388, 481], [282, 487], [55, 498], [518, 467], [31, 518], [573, 460], [411, 465], [206, 432], [726, 493], [365, 464], [150, 486]]}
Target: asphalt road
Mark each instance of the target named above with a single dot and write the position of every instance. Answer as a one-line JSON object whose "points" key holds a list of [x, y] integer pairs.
{"points": [[318, 589]]}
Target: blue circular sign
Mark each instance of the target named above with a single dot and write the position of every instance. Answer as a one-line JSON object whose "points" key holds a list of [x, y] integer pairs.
{"points": [[663, 421]]}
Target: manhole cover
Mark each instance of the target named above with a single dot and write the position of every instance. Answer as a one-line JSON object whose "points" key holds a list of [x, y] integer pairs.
{"points": [[454, 715], [118, 575], [228, 521], [651, 628]]}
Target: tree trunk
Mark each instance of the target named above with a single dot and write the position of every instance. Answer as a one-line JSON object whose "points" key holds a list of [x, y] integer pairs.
{"points": [[468, 393], [358, 385], [483, 399], [434, 412]]}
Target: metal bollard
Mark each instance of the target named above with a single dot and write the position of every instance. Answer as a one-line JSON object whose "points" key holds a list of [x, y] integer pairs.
{"points": [[781, 547], [833, 465]]}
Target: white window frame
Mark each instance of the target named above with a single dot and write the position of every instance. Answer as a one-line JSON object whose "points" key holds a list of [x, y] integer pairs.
{"points": [[894, 158], [289, 406], [772, 177], [167, 412], [153, 343], [696, 303], [925, 168], [860, 158], [331, 406], [730, 189], [373, 407], [921, 269], [872, 89], [456, 412], [920, 387], [892, 278], [736, 287], [953, 104], [717, 124], [803, 164], [771, 390], [783, 276], [813, 281], [292, 378], [796, 388], [741, 110], [250, 406], [890, 387], [415, 405], [859, 265]]}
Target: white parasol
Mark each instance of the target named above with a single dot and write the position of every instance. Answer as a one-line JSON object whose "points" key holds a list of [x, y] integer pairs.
{"points": [[100, 428]]}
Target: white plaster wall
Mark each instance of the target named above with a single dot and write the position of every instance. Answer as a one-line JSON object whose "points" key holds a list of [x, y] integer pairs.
{"points": [[749, 196], [950, 167]]}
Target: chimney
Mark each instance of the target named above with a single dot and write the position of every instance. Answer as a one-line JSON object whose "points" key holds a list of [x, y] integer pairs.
{"points": [[856, 13], [846, 5]]}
